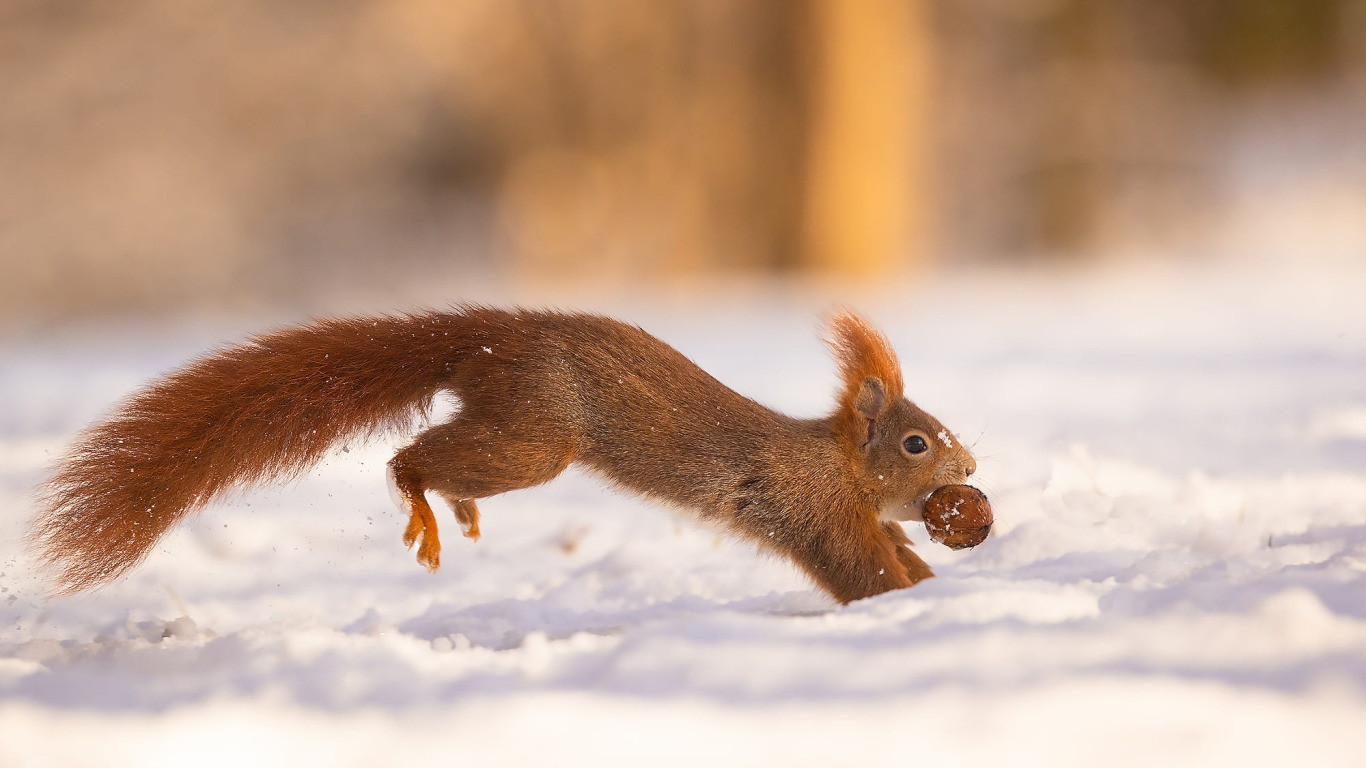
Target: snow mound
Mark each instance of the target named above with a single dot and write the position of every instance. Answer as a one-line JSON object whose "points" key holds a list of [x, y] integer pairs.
{"points": [[1175, 577]]}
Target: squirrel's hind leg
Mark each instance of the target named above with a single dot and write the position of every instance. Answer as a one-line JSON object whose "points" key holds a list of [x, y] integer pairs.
{"points": [[463, 461], [421, 520], [467, 514]]}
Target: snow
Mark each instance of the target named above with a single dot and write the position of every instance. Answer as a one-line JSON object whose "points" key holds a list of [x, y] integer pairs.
{"points": [[1176, 576]]}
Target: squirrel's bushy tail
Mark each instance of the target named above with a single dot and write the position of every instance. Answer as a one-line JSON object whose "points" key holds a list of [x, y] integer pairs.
{"points": [[263, 410]]}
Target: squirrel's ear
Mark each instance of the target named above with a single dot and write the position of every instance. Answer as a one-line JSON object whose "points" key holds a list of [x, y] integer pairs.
{"points": [[871, 398], [867, 405]]}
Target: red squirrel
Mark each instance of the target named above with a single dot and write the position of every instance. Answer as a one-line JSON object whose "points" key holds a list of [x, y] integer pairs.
{"points": [[538, 391]]}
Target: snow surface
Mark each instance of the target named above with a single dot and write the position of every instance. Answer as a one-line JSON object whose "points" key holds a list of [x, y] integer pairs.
{"points": [[1177, 575]]}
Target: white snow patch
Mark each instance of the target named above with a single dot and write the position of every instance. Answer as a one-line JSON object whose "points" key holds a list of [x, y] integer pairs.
{"points": [[1174, 576], [1346, 422]]}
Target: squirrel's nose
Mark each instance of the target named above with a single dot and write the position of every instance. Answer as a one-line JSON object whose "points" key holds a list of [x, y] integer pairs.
{"points": [[970, 467]]}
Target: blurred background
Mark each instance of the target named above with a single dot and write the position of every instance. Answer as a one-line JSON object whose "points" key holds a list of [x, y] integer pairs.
{"points": [[1120, 246], [158, 155]]}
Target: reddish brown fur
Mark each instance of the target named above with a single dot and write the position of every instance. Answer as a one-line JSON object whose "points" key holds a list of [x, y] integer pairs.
{"points": [[862, 352], [538, 391]]}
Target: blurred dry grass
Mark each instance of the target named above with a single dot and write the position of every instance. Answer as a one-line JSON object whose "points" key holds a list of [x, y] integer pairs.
{"points": [[159, 154]]}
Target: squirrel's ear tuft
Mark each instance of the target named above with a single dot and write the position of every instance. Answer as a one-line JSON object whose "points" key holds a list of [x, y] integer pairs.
{"points": [[863, 353]]}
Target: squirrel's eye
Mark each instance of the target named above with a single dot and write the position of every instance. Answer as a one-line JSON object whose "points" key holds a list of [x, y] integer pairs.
{"points": [[916, 444]]}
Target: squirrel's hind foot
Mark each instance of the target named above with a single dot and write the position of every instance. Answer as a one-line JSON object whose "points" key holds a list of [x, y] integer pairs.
{"points": [[421, 521], [467, 514]]}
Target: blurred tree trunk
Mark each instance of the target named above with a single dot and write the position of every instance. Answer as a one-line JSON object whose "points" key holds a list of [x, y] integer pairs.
{"points": [[647, 140], [865, 202]]}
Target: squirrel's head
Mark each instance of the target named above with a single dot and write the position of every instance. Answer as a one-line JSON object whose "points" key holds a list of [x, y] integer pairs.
{"points": [[898, 452]]}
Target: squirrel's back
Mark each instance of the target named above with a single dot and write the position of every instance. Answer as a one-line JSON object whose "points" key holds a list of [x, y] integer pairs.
{"points": [[657, 423]]}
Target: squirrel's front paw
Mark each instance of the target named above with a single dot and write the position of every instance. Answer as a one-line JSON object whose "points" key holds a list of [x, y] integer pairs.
{"points": [[918, 570]]}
